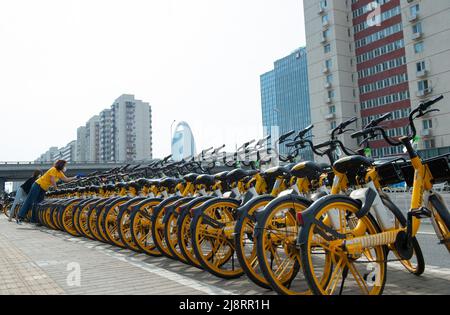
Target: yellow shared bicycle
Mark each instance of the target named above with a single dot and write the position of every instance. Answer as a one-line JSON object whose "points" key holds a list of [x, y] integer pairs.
{"points": [[343, 249]]}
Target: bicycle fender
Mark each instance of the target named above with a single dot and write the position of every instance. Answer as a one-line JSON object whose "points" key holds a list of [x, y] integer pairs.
{"points": [[130, 202], [162, 205], [198, 211], [444, 213], [189, 205], [243, 210], [366, 197], [309, 215], [110, 205], [139, 205], [260, 215], [170, 209]]}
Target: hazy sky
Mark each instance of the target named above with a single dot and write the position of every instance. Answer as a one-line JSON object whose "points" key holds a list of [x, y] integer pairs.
{"points": [[63, 61]]}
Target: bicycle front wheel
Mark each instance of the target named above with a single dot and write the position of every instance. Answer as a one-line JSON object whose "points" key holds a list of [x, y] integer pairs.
{"points": [[276, 239]]}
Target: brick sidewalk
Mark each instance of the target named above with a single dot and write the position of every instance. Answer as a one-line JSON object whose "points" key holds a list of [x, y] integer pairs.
{"points": [[36, 260]]}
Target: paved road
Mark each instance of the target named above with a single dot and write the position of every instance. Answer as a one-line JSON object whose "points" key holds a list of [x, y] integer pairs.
{"points": [[39, 261], [435, 255]]}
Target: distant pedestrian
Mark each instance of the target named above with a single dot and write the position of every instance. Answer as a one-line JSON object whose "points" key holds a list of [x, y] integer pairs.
{"points": [[41, 186], [23, 192]]}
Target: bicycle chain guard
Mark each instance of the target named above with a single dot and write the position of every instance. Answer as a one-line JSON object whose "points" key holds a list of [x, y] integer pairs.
{"points": [[403, 246]]}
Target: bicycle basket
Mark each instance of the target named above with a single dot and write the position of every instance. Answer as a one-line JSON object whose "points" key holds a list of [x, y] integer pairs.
{"points": [[391, 173], [439, 168]]}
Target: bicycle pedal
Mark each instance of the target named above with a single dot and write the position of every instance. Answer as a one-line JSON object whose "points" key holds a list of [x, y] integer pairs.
{"points": [[443, 242], [421, 213]]}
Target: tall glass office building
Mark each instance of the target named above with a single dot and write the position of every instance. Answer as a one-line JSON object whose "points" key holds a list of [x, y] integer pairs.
{"points": [[285, 97]]}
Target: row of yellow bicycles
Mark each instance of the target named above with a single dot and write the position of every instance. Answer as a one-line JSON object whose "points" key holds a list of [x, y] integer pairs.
{"points": [[300, 228]]}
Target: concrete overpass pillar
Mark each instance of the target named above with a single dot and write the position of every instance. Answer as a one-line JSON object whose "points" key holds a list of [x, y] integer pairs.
{"points": [[2, 185]]}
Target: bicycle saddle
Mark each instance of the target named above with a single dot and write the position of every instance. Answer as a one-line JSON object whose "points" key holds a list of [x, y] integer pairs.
{"points": [[275, 172], [170, 183], [135, 185], [121, 185], [310, 170], [239, 174], [352, 164], [190, 178], [222, 176], [94, 189], [207, 180]]}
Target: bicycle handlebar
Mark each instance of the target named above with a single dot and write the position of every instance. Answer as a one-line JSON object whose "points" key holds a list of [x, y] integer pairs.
{"points": [[284, 138], [424, 106], [420, 111], [341, 128], [378, 121], [303, 133]]}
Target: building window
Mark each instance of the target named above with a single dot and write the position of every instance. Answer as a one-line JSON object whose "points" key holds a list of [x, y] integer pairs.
{"points": [[330, 78], [427, 124], [332, 109], [327, 48], [423, 85], [421, 66], [429, 144], [418, 48], [329, 64], [417, 28], [414, 10]]}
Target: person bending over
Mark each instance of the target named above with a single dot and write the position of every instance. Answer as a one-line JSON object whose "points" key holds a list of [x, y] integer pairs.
{"points": [[40, 187]]}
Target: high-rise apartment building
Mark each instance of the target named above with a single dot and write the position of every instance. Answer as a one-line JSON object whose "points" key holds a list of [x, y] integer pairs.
{"points": [[81, 144], [93, 139], [132, 129], [106, 130], [122, 133], [367, 58], [48, 156], [285, 96], [427, 44], [67, 153]]}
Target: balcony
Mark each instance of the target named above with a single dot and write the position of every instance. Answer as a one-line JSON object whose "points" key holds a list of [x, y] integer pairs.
{"points": [[417, 36], [321, 10], [330, 116], [325, 24], [326, 70], [425, 92], [426, 133], [323, 39], [414, 17], [328, 100], [327, 85], [422, 73]]}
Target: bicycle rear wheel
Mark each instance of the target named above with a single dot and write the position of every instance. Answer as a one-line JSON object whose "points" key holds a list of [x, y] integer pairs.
{"points": [[415, 265], [184, 232], [213, 241], [171, 229], [328, 264], [441, 219], [141, 227], [246, 241]]}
